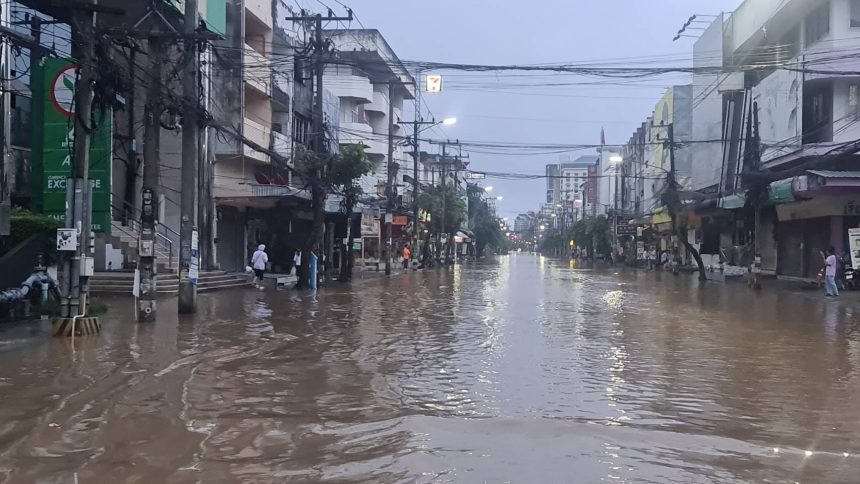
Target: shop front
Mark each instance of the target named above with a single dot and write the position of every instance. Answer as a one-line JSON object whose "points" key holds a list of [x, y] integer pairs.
{"points": [[806, 228]]}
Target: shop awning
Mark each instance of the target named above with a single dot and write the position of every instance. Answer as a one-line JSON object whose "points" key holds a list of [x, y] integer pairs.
{"points": [[732, 202], [661, 216], [835, 174], [781, 191]]}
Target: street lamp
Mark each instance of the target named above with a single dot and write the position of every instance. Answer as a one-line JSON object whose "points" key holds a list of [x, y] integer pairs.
{"points": [[449, 121], [616, 159]]}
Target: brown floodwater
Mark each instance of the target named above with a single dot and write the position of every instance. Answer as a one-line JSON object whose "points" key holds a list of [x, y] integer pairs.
{"points": [[521, 369]]}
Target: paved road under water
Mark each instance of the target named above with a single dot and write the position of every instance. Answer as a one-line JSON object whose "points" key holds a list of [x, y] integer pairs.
{"points": [[518, 370]]}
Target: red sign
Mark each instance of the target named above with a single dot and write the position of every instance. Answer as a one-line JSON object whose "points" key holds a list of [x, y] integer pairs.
{"points": [[591, 185], [400, 220]]}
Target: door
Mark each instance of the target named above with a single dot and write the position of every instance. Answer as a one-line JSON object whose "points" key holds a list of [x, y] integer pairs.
{"points": [[790, 248]]}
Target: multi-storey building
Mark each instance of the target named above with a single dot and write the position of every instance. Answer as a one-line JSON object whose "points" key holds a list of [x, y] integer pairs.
{"points": [[568, 186], [369, 83]]}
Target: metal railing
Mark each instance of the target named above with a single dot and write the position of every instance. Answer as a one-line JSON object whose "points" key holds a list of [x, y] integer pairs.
{"points": [[130, 216]]}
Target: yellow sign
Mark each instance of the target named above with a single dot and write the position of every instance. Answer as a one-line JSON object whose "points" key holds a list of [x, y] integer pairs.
{"points": [[572, 243]]}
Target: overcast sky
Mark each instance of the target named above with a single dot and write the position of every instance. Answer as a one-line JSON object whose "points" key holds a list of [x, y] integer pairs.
{"points": [[540, 31]]}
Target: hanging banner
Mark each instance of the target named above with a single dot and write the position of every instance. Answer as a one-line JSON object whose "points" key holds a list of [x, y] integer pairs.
{"points": [[854, 247], [53, 144]]}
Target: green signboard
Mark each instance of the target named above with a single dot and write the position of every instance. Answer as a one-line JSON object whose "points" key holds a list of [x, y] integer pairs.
{"points": [[53, 144]]}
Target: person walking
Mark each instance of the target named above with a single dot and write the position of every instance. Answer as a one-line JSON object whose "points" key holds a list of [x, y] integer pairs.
{"points": [[407, 254], [258, 263], [830, 266]]}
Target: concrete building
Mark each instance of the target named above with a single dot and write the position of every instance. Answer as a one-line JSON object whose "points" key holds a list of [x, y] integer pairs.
{"points": [[807, 109], [257, 199], [568, 184], [364, 98]]}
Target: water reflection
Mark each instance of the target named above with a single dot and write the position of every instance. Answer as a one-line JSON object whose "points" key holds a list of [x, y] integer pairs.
{"points": [[519, 369]]}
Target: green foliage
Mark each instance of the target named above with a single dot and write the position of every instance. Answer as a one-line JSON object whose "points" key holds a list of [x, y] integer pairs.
{"points": [[455, 209], [593, 234], [51, 307], [484, 223], [25, 224], [349, 166], [96, 308]]}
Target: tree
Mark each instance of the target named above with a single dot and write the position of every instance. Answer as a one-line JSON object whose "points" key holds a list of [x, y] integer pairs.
{"points": [[672, 199], [483, 222], [310, 165], [346, 170], [431, 201], [592, 234]]}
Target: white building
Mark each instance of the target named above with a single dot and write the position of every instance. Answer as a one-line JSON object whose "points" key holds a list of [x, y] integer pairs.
{"points": [[370, 80], [568, 186]]}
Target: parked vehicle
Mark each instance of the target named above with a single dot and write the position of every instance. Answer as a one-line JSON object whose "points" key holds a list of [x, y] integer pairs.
{"points": [[850, 278]]}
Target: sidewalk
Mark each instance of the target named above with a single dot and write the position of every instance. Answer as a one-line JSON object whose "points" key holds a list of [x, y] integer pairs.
{"points": [[797, 287]]}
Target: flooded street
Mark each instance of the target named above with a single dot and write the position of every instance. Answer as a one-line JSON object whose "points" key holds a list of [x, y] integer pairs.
{"points": [[521, 369]]}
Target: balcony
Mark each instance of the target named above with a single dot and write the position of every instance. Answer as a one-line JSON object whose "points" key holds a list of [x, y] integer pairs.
{"points": [[355, 133], [259, 134], [281, 145], [261, 11], [379, 104], [258, 71], [350, 87]]}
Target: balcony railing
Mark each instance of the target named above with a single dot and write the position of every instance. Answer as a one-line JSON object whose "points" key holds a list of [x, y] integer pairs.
{"points": [[261, 10], [258, 71], [260, 135]]}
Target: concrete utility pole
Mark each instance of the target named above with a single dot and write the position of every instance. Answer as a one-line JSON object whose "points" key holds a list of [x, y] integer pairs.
{"points": [[188, 243], [76, 272], [389, 185], [83, 35], [318, 193], [444, 194], [416, 154], [147, 267], [204, 182], [416, 225]]}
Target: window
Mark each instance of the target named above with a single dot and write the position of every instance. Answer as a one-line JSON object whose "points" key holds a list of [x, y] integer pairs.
{"points": [[20, 121], [855, 13], [853, 93], [817, 24], [301, 130]]}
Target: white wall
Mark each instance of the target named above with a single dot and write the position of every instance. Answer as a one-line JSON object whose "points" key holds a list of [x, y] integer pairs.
{"points": [[846, 126], [780, 98], [707, 109], [748, 19]]}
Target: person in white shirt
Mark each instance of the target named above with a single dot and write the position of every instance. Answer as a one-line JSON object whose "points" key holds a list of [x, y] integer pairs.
{"points": [[830, 266], [258, 263]]}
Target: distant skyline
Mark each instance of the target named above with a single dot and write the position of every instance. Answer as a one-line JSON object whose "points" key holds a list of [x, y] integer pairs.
{"points": [[509, 107]]}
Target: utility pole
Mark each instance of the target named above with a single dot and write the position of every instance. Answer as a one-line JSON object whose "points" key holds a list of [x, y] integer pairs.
{"points": [[147, 267], [204, 179], [188, 242], [318, 191], [76, 271], [416, 233], [84, 30], [389, 186]]}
